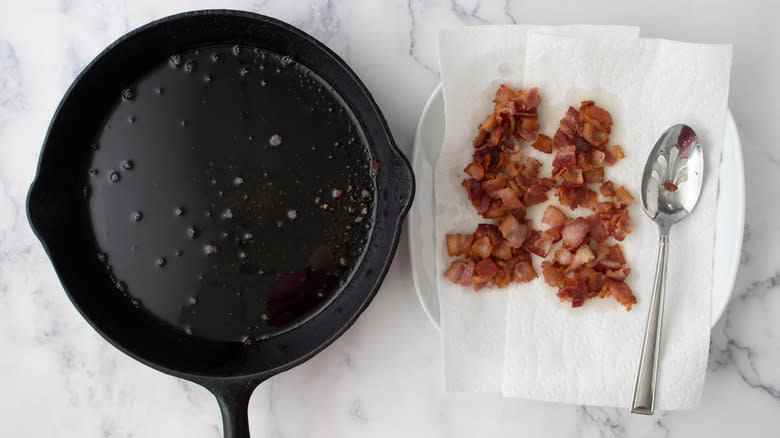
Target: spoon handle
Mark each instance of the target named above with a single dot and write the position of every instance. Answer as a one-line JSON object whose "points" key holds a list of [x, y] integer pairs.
{"points": [[644, 389]]}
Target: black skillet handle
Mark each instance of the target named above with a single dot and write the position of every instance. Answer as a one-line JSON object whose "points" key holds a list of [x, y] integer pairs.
{"points": [[233, 397], [401, 181]]}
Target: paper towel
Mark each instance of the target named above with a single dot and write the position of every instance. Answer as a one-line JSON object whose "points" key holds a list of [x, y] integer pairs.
{"points": [[474, 62], [588, 355]]}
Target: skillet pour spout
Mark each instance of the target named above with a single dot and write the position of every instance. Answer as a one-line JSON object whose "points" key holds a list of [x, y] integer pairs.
{"points": [[220, 197]]}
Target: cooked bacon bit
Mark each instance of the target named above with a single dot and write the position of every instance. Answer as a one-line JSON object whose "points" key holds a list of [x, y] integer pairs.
{"points": [[530, 168], [523, 272], [543, 143], [481, 248], [538, 244], [565, 157], [670, 186], [458, 244], [594, 175], [513, 231], [607, 189], [563, 256], [495, 210], [620, 225], [596, 157], [479, 283], [618, 274], [622, 197], [488, 230], [594, 123], [503, 250], [485, 269], [504, 276], [552, 275], [509, 199], [595, 280], [583, 255], [621, 292], [536, 194], [553, 216], [616, 254], [572, 196], [590, 199], [528, 129], [493, 185], [495, 136], [574, 232], [488, 124], [573, 290], [568, 125], [476, 171], [597, 230], [483, 204], [612, 154], [460, 272], [572, 177]]}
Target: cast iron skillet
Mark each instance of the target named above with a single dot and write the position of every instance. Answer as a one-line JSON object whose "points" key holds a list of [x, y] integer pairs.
{"points": [[61, 220]]}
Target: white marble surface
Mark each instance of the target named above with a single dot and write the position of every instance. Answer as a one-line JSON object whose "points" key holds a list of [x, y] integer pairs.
{"points": [[383, 377]]}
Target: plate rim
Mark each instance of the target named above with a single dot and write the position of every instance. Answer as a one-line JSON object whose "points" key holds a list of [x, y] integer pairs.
{"points": [[717, 309]]}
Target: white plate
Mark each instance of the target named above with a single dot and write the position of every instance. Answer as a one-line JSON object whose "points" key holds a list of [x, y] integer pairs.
{"points": [[729, 220]]}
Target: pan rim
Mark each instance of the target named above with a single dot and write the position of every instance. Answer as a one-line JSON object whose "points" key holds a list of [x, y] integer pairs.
{"points": [[375, 113]]}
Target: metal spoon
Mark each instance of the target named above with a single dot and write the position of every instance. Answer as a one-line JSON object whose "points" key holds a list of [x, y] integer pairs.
{"points": [[671, 185]]}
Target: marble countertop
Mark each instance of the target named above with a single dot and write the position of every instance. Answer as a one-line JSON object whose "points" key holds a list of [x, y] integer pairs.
{"points": [[383, 377]]}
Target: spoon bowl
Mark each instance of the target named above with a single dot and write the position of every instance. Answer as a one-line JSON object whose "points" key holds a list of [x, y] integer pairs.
{"points": [[676, 158], [671, 185]]}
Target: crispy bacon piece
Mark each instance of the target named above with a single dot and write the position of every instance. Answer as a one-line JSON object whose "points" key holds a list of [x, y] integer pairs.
{"points": [[493, 185], [583, 256], [509, 199], [607, 189], [495, 210], [594, 123], [503, 250], [566, 156], [563, 256], [460, 272], [552, 275], [594, 279], [597, 230], [543, 143], [536, 194], [620, 225], [476, 171], [485, 269], [596, 157], [612, 154], [572, 177], [481, 248], [622, 197], [621, 292], [538, 244], [574, 291], [575, 232], [568, 124], [514, 231], [458, 244], [594, 175], [523, 271], [618, 274], [553, 216]]}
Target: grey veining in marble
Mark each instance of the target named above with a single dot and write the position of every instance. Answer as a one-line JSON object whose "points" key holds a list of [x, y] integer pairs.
{"points": [[383, 377]]}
